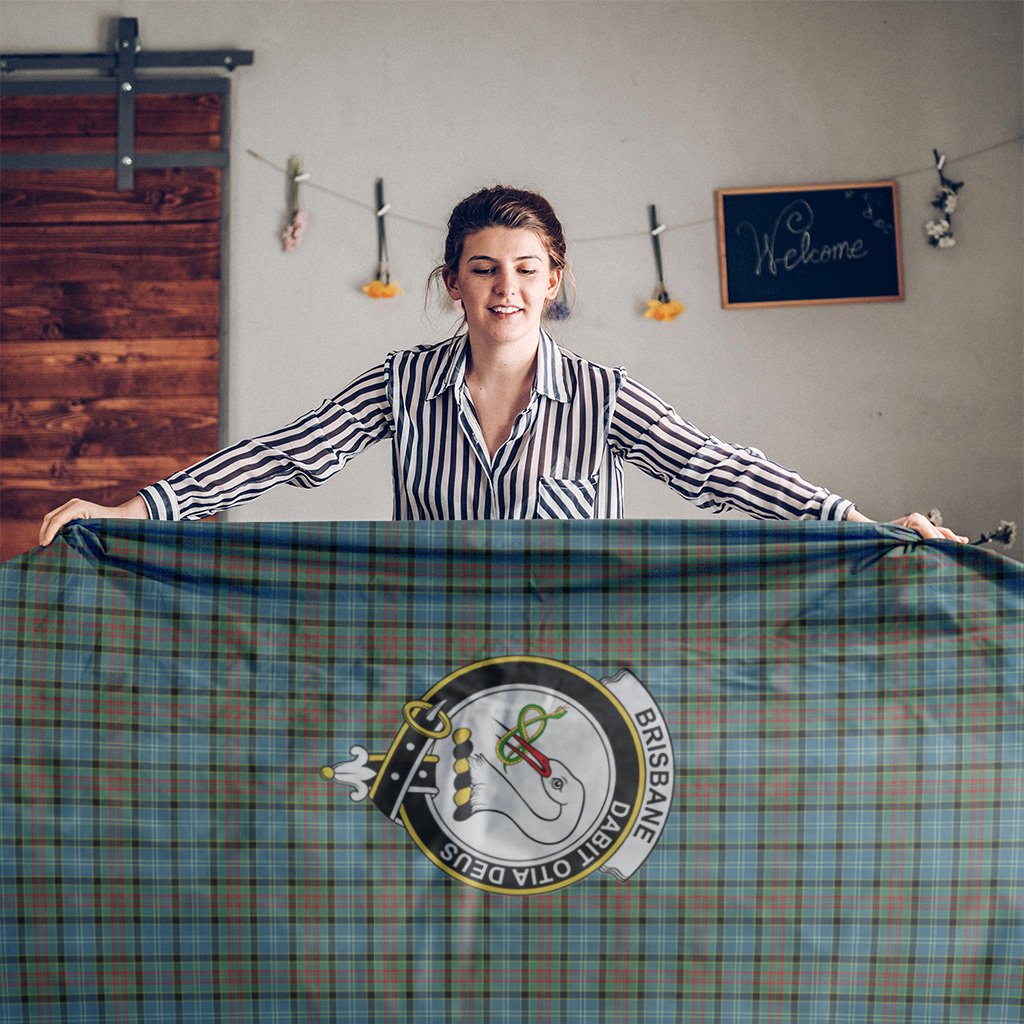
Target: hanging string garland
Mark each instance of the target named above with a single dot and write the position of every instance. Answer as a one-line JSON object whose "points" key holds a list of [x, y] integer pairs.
{"points": [[661, 307], [298, 218], [382, 287], [940, 232]]}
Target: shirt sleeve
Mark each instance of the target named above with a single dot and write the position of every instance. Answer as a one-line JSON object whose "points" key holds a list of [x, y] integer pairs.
{"points": [[304, 454], [713, 474]]}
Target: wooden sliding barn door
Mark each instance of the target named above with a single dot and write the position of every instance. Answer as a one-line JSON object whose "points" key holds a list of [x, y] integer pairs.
{"points": [[110, 309], [111, 302]]}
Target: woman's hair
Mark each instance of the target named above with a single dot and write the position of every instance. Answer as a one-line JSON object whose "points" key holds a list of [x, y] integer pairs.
{"points": [[501, 207]]}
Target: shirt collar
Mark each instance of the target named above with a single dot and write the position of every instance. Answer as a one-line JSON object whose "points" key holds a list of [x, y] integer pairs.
{"points": [[451, 370], [551, 376], [550, 379]]}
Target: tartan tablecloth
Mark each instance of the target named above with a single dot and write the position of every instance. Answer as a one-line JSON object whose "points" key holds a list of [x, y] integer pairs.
{"points": [[511, 772]]}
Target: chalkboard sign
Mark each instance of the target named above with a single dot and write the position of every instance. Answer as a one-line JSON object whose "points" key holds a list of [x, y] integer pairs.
{"points": [[810, 244]]}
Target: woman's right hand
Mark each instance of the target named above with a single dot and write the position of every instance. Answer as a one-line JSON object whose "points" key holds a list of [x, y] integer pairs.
{"points": [[76, 508]]}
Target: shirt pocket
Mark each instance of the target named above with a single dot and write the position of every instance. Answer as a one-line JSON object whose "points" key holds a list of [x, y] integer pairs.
{"points": [[564, 498]]}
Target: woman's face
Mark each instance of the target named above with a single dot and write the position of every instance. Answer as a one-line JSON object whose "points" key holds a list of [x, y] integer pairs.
{"points": [[505, 278]]}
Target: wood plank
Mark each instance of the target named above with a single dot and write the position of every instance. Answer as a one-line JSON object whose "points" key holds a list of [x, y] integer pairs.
{"points": [[30, 487], [180, 143], [17, 537], [86, 116], [82, 197], [110, 369], [110, 252], [73, 428], [94, 310]]}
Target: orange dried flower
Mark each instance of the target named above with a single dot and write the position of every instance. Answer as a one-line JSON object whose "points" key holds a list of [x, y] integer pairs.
{"points": [[380, 290], [664, 311]]}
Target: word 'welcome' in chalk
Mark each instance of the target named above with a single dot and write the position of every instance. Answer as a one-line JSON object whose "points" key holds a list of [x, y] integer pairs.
{"points": [[797, 219]]}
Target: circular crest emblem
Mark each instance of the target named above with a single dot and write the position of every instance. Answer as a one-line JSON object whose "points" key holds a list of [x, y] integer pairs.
{"points": [[522, 775]]}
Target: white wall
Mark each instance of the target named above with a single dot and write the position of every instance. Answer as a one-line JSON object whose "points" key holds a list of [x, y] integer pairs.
{"points": [[606, 107]]}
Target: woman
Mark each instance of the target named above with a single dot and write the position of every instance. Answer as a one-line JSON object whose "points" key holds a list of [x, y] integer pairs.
{"points": [[497, 422]]}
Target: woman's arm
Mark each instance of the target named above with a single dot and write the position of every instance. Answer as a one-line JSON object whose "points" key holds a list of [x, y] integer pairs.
{"points": [[305, 453], [711, 473], [714, 474]]}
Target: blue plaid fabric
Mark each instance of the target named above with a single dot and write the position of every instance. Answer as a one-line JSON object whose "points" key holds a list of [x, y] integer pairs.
{"points": [[327, 772]]}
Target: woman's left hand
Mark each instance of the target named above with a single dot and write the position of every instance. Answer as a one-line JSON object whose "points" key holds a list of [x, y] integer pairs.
{"points": [[917, 522]]}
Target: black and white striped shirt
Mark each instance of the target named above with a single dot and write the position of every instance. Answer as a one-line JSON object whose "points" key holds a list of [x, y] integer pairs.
{"points": [[563, 458]]}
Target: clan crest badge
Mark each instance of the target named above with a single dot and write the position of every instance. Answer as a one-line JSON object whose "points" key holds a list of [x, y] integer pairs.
{"points": [[523, 775]]}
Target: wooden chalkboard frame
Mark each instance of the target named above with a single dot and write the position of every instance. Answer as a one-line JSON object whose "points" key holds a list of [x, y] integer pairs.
{"points": [[797, 252]]}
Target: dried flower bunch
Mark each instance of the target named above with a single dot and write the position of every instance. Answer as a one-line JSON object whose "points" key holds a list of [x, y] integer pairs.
{"points": [[296, 229], [299, 219], [1004, 533], [940, 231], [381, 287], [558, 308], [661, 307], [378, 289]]}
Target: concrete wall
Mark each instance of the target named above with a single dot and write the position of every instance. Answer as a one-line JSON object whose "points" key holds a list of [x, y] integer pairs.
{"points": [[606, 107]]}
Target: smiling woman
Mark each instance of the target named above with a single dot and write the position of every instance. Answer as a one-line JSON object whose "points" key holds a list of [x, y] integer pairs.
{"points": [[496, 422]]}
